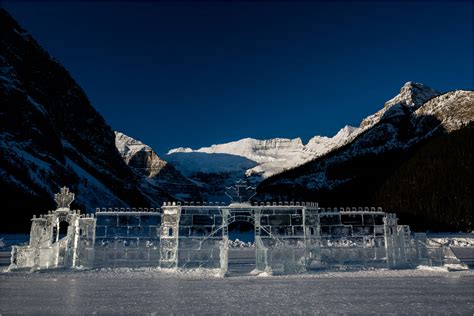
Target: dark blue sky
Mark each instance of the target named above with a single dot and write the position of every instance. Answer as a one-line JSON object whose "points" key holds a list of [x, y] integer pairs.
{"points": [[192, 75]]}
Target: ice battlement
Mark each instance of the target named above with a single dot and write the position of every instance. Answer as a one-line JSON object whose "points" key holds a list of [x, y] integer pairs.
{"points": [[128, 210], [261, 203]]}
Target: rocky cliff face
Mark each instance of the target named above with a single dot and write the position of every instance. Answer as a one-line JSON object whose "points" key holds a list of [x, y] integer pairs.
{"points": [[51, 136], [146, 164], [138, 156]]}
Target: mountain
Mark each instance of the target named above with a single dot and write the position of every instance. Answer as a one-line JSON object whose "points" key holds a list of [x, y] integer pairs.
{"points": [[413, 156], [156, 172], [268, 156], [218, 166], [412, 95], [388, 144], [51, 136]]}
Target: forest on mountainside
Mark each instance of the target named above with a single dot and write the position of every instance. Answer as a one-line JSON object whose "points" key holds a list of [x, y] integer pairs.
{"points": [[428, 186], [432, 189]]}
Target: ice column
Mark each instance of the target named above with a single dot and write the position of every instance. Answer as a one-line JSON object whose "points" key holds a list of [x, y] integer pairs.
{"points": [[224, 249], [169, 236]]}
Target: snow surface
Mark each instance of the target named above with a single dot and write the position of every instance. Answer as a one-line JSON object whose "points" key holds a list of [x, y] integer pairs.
{"points": [[237, 243], [435, 290], [155, 291], [452, 239]]}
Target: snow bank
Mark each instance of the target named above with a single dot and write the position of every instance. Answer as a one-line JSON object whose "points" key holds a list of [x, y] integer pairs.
{"points": [[456, 270], [240, 244], [467, 241]]}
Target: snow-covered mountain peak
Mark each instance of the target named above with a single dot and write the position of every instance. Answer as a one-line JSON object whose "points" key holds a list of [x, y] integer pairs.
{"points": [[412, 95], [346, 131], [125, 139], [180, 150]]}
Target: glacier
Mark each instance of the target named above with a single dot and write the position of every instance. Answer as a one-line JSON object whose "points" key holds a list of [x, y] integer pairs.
{"points": [[269, 156]]}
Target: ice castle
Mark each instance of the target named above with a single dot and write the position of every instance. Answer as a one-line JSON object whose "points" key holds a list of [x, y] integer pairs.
{"points": [[289, 237]]}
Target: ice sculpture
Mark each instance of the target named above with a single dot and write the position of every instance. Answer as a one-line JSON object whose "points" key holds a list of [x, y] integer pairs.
{"points": [[61, 238], [290, 237]]}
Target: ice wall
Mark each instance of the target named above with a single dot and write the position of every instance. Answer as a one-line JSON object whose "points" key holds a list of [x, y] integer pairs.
{"points": [[127, 238], [289, 237]]}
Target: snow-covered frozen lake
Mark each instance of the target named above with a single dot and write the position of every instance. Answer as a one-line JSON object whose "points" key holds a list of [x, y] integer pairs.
{"points": [[152, 291]]}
